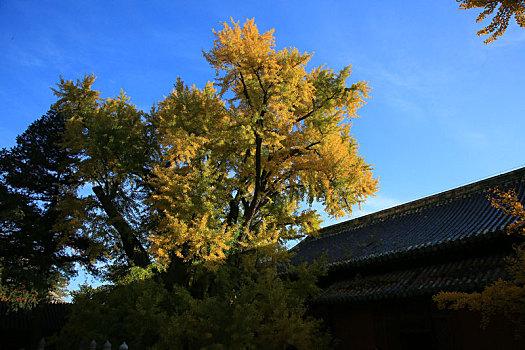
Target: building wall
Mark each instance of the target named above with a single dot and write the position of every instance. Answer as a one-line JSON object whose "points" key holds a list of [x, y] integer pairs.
{"points": [[24, 328], [413, 324]]}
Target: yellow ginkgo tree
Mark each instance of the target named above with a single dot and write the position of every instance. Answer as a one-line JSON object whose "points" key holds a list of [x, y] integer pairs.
{"points": [[505, 10], [237, 161], [202, 193], [230, 166]]}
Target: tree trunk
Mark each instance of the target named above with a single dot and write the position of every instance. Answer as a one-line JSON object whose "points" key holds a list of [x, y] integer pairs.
{"points": [[132, 246]]}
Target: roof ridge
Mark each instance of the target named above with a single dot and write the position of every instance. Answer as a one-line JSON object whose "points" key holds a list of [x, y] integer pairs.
{"points": [[421, 203]]}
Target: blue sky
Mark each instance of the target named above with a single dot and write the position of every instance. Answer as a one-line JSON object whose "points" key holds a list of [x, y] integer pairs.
{"points": [[445, 110]]}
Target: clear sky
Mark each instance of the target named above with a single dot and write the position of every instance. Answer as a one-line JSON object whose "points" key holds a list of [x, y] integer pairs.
{"points": [[445, 110]]}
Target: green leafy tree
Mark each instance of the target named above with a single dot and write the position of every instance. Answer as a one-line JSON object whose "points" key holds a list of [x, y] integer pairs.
{"points": [[244, 311], [113, 146], [505, 10]]}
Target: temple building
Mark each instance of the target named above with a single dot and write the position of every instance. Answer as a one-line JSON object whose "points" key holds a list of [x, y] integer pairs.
{"points": [[384, 268]]}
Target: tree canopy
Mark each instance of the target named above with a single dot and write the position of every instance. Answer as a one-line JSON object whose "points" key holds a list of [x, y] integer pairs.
{"points": [[209, 171], [190, 205], [505, 10], [36, 258]]}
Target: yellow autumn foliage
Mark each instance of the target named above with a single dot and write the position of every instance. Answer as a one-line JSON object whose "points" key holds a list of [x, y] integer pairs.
{"points": [[505, 10], [236, 162], [214, 171], [193, 203]]}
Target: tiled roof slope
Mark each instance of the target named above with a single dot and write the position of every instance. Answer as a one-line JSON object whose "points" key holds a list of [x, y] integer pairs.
{"points": [[435, 223], [465, 275]]}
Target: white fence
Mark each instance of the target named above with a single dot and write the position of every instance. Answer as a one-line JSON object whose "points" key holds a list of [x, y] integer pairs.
{"points": [[91, 346]]}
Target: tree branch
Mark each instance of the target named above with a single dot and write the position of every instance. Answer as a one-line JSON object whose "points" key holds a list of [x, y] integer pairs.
{"points": [[245, 90], [132, 246]]}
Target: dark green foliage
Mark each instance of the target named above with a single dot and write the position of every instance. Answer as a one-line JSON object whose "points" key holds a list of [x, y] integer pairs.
{"points": [[238, 309], [33, 256]]}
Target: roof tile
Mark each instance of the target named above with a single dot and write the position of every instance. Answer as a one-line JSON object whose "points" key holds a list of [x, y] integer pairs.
{"points": [[428, 224], [465, 275]]}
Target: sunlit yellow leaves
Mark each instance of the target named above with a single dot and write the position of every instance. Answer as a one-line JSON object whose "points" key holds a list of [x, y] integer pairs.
{"points": [[220, 170], [500, 21], [107, 135], [199, 241], [241, 44], [282, 137], [509, 203]]}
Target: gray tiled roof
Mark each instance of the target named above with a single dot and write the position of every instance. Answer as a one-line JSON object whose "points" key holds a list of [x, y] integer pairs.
{"points": [[451, 218], [454, 240], [463, 275]]}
